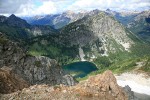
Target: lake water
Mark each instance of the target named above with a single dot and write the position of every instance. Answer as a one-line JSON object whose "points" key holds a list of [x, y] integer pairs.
{"points": [[80, 69]]}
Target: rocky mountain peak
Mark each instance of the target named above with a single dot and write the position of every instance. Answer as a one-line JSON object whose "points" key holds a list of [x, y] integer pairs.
{"points": [[15, 21], [94, 12], [12, 16], [111, 12], [100, 32], [108, 10], [68, 12]]}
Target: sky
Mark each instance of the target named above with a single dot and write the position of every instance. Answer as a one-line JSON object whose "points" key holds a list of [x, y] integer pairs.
{"points": [[43, 7]]}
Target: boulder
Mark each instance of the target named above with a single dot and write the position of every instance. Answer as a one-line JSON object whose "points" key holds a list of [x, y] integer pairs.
{"points": [[10, 82]]}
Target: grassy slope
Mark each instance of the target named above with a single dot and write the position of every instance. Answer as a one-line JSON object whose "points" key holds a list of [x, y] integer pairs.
{"points": [[124, 61], [49, 46]]}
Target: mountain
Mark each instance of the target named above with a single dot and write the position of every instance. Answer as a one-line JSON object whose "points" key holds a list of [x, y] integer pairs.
{"points": [[32, 69], [123, 16], [97, 35], [134, 21], [58, 21], [14, 27], [140, 25], [14, 21], [2, 18], [19, 30]]}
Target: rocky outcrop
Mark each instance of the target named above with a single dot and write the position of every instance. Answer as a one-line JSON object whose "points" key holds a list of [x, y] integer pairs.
{"points": [[10, 82], [40, 69], [130, 93], [99, 87], [35, 70], [103, 85], [39, 30]]}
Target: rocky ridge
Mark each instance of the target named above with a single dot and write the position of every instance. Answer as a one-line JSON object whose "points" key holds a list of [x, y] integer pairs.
{"points": [[10, 82], [134, 21], [100, 33], [140, 25], [19, 28], [34, 70], [58, 21], [102, 86]]}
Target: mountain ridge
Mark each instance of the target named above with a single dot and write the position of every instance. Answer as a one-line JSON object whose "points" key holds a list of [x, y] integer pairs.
{"points": [[96, 28], [33, 69]]}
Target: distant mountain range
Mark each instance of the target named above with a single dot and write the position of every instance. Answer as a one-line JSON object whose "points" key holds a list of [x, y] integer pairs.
{"points": [[35, 50], [58, 20], [18, 29], [85, 36], [135, 21]]}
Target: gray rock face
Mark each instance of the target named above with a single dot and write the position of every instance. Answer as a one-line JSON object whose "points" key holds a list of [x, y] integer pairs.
{"points": [[35, 70], [99, 33], [130, 93], [44, 70], [37, 30], [135, 21]]}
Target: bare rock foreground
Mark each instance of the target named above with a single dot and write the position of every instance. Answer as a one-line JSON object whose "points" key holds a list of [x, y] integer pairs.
{"points": [[100, 87]]}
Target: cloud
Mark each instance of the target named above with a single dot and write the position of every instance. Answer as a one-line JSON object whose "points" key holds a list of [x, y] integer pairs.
{"points": [[114, 4], [47, 7], [10, 6], [40, 7]]}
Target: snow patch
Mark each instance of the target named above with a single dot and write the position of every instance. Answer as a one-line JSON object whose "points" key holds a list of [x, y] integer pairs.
{"points": [[105, 54], [81, 54], [137, 82], [93, 56], [126, 46], [105, 50]]}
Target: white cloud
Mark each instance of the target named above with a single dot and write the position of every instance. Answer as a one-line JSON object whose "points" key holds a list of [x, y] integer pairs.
{"points": [[112, 4], [47, 7], [10, 6], [28, 7]]}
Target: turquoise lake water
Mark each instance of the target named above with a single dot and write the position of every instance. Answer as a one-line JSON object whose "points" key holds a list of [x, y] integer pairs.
{"points": [[80, 69]]}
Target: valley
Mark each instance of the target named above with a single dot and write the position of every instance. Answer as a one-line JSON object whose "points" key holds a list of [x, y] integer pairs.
{"points": [[66, 52]]}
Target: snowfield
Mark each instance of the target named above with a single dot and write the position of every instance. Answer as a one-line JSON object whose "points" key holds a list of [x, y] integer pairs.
{"points": [[137, 82]]}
